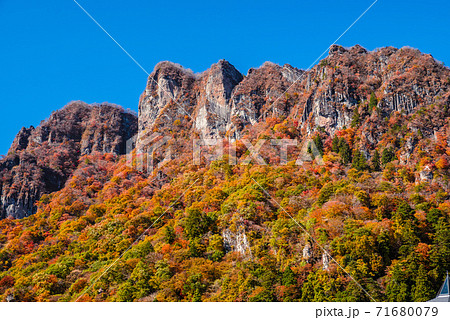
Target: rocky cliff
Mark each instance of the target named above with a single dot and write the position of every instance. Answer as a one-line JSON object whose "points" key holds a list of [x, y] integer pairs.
{"points": [[41, 159], [352, 87], [401, 79], [215, 102], [221, 100]]}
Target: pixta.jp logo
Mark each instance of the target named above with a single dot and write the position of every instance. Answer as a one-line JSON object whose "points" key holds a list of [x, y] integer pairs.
{"points": [[149, 151]]}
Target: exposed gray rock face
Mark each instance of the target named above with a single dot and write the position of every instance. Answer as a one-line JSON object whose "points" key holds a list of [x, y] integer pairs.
{"points": [[19, 207], [408, 150], [168, 96], [21, 140], [213, 108], [307, 251], [426, 174], [399, 102], [236, 241], [325, 261], [219, 100], [344, 80], [261, 94], [41, 159]]}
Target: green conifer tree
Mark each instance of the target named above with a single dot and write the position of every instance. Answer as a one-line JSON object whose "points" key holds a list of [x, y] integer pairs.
{"points": [[288, 277], [388, 155], [355, 159], [319, 144], [335, 144], [373, 101], [356, 119], [362, 162], [344, 151], [376, 161], [422, 286]]}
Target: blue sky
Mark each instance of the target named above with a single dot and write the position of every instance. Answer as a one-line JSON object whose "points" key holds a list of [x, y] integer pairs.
{"points": [[52, 53]]}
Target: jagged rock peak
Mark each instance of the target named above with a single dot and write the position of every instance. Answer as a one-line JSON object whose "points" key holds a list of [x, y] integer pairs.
{"points": [[173, 91], [287, 71], [227, 70], [21, 140], [355, 50], [336, 49], [171, 70], [214, 91], [41, 159], [224, 64], [266, 66], [221, 79], [167, 66], [170, 79]]}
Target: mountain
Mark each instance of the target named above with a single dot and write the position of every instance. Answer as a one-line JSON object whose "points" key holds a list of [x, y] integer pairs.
{"points": [[212, 103], [221, 100], [84, 219], [41, 159]]}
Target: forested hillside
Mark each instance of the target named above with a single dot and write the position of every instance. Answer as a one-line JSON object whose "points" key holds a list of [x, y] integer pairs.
{"points": [[376, 196]]}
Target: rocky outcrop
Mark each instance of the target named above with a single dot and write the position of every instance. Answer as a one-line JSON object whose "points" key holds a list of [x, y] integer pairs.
{"points": [[325, 261], [221, 101], [236, 241], [41, 159], [22, 138], [216, 101], [402, 79], [307, 251], [213, 110], [426, 174], [168, 96], [261, 94]]}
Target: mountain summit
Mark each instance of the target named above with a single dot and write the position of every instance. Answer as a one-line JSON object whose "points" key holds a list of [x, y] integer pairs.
{"points": [[222, 103], [41, 159], [82, 221]]}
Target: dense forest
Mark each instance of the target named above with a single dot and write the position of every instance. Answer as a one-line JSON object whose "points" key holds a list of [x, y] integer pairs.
{"points": [[389, 233]]}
